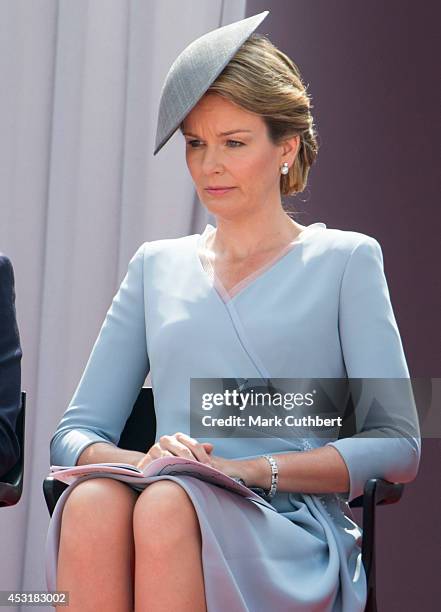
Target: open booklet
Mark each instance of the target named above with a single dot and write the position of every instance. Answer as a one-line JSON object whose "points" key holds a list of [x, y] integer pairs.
{"points": [[174, 466]]}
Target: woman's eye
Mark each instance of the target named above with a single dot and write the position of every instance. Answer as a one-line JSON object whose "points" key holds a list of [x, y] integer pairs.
{"points": [[194, 143], [236, 142]]}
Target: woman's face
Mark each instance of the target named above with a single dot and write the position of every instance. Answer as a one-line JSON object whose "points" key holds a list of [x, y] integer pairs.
{"points": [[245, 160]]}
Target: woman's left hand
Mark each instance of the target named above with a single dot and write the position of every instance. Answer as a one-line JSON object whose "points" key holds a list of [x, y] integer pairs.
{"points": [[230, 467]]}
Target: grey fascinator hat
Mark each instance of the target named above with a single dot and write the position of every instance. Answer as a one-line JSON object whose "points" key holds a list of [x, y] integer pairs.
{"points": [[195, 69]]}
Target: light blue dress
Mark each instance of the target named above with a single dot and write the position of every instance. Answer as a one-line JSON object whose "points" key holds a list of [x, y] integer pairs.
{"points": [[321, 310]]}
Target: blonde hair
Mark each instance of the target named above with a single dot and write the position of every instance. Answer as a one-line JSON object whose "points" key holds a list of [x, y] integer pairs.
{"points": [[263, 80]]}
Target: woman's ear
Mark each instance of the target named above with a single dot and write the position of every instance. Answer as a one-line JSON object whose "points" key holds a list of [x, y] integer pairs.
{"points": [[290, 148]]}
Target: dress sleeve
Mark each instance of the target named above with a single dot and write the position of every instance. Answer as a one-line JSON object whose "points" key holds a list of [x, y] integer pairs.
{"points": [[387, 441], [113, 376]]}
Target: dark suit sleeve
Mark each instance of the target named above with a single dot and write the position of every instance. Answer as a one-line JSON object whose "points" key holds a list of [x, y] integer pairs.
{"points": [[10, 368]]}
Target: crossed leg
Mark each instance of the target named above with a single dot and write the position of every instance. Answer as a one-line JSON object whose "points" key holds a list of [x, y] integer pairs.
{"points": [[104, 523]]}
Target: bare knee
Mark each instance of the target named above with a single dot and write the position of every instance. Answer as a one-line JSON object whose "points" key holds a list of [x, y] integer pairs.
{"points": [[97, 505], [96, 532], [164, 516]]}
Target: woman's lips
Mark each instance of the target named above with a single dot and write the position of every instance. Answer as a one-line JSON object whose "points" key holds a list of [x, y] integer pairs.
{"points": [[219, 191]]}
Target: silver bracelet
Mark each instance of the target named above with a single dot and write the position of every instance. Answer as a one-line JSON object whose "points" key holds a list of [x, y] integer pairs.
{"points": [[274, 476]]}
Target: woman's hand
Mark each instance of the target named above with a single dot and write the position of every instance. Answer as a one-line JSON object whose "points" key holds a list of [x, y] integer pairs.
{"points": [[182, 445], [234, 468], [178, 445]]}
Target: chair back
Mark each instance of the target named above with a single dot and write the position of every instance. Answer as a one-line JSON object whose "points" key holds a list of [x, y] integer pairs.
{"points": [[140, 429]]}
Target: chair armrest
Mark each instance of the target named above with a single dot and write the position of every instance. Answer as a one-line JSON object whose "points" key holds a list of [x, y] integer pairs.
{"points": [[11, 483], [379, 492], [383, 492]]}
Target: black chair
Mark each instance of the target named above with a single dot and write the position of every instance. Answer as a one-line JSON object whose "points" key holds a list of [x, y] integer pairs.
{"points": [[142, 421], [11, 483]]}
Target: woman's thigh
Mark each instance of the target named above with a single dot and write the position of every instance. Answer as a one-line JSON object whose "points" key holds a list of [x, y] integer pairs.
{"points": [[96, 508], [96, 531], [164, 515]]}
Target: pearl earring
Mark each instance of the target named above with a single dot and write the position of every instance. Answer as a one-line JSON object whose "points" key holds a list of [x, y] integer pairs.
{"points": [[285, 168]]}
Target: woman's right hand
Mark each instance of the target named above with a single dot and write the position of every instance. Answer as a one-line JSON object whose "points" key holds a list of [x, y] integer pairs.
{"points": [[177, 445]]}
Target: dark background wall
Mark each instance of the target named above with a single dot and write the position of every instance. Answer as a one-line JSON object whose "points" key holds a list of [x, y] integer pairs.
{"points": [[372, 70]]}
